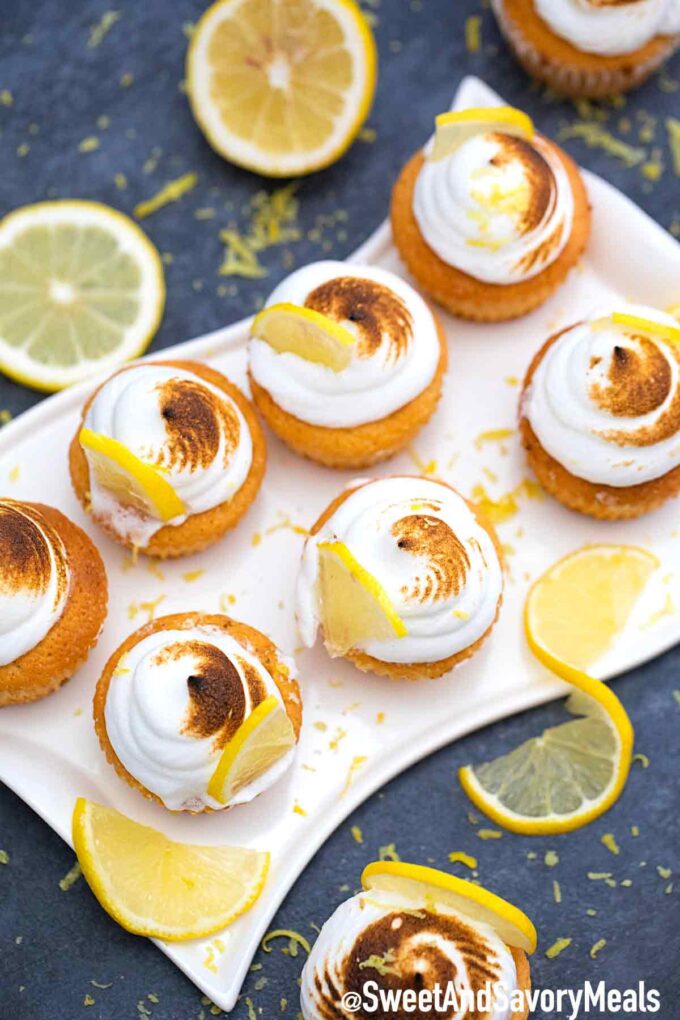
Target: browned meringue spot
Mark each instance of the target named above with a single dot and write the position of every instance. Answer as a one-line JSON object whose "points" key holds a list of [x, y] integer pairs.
{"points": [[541, 190], [640, 380], [377, 313], [447, 558], [26, 563], [613, 3], [195, 418]]}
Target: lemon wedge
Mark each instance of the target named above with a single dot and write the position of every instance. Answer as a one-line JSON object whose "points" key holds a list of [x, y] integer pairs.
{"points": [[130, 480], [281, 88], [311, 335], [354, 605], [647, 326], [81, 291], [453, 129], [153, 886], [414, 882], [259, 742]]}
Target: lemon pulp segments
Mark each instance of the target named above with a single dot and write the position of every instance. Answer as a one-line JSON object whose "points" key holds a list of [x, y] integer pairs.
{"points": [[130, 480], [311, 335], [281, 88], [354, 605], [81, 291], [454, 128], [153, 886], [428, 885], [260, 741]]}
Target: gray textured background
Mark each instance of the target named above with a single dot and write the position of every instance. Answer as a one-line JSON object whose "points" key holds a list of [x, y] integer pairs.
{"points": [[54, 945]]}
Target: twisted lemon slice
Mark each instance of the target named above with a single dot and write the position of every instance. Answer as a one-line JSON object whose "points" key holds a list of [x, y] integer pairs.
{"points": [[153, 886], [259, 742], [647, 326], [416, 882], [453, 129], [354, 605], [294, 329], [130, 480]]}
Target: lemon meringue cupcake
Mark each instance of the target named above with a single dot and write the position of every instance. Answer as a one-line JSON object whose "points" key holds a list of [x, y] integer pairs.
{"points": [[600, 412], [590, 48], [53, 597], [346, 363], [491, 216], [168, 457], [198, 712], [404, 577], [420, 936]]}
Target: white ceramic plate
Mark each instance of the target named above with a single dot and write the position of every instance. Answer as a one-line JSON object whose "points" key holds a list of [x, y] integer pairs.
{"points": [[48, 751]]}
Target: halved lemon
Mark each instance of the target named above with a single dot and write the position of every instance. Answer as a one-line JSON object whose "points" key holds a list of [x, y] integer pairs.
{"points": [[281, 88], [259, 742], [453, 129], [81, 291], [414, 882], [153, 886], [294, 329], [648, 327], [354, 605], [133, 482]]}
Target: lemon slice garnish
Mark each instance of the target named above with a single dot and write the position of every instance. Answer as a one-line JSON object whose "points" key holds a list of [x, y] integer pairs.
{"points": [[130, 480], [281, 89], [82, 292], [453, 129], [354, 605], [259, 742], [574, 772], [294, 329], [647, 326], [414, 882], [153, 886]]}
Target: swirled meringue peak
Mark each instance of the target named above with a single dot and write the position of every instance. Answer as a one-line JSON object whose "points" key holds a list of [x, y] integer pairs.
{"points": [[396, 350], [604, 400], [437, 564], [176, 698], [189, 430], [499, 208], [399, 944], [610, 28], [34, 578]]}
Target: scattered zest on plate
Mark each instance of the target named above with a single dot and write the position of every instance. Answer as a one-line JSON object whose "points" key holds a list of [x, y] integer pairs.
{"points": [[416, 882], [83, 292], [453, 129], [153, 886], [354, 605], [573, 772], [294, 329], [281, 89]]}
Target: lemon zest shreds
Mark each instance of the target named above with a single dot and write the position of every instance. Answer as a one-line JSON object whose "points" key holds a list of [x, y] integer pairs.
{"points": [[676, 696], [5, 416], [273, 221], [473, 33], [597, 137], [88, 144], [558, 946], [239, 258], [663, 872], [383, 964], [170, 192], [609, 841], [357, 834], [102, 28], [551, 858], [388, 852], [493, 436], [4, 857], [354, 766], [88, 1000], [599, 945], [6, 97], [557, 892], [489, 834], [642, 758], [192, 575], [293, 937], [460, 857], [673, 129], [70, 877]]}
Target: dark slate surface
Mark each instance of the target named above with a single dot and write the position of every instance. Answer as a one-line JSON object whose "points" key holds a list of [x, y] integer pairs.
{"points": [[55, 945]]}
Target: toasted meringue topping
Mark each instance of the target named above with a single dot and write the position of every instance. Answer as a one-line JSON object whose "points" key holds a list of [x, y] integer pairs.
{"points": [[436, 563], [175, 700], [401, 946], [397, 347], [34, 578], [499, 208], [605, 401], [183, 425], [610, 28]]}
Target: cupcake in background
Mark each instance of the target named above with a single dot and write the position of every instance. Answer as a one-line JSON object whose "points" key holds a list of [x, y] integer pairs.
{"points": [[168, 457], [590, 49], [490, 216], [346, 363], [600, 412]]}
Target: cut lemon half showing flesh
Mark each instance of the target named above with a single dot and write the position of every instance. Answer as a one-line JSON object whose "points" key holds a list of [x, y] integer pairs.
{"points": [[414, 882], [293, 329], [453, 129], [259, 742], [153, 886], [281, 88], [81, 291], [648, 327], [133, 482], [354, 605]]}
